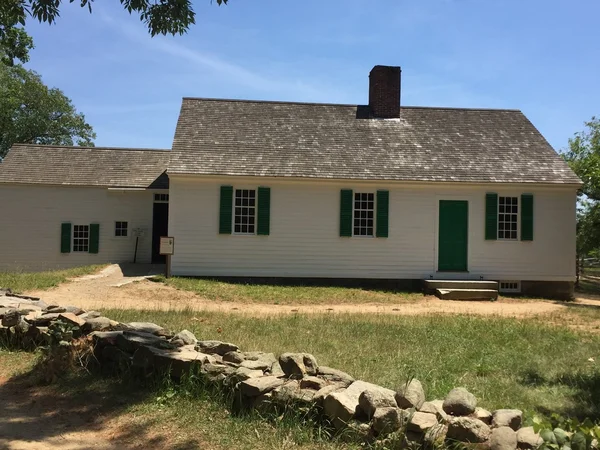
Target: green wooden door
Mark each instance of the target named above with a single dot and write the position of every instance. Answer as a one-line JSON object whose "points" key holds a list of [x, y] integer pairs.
{"points": [[453, 235]]}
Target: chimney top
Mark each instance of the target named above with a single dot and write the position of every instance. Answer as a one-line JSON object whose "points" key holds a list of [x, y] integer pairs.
{"points": [[384, 92]]}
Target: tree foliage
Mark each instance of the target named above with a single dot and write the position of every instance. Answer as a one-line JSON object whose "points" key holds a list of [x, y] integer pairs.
{"points": [[160, 16], [30, 112], [584, 158]]}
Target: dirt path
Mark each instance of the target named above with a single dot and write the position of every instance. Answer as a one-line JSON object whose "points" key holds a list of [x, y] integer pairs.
{"points": [[110, 289]]}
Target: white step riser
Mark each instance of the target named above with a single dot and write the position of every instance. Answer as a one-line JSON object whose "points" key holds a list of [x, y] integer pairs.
{"points": [[432, 285], [467, 294]]}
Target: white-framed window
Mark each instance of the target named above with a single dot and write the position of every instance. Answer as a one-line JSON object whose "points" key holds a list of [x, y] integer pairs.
{"points": [[364, 214], [161, 198], [121, 229], [244, 217], [509, 286], [508, 218], [81, 238]]}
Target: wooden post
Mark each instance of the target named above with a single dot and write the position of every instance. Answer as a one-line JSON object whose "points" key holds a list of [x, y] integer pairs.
{"points": [[168, 266]]}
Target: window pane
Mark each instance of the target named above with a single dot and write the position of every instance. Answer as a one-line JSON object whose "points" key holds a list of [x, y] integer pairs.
{"points": [[364, 213]]}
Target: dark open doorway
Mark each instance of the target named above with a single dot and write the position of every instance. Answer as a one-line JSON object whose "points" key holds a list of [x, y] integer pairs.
{"points": [[160, 227]]}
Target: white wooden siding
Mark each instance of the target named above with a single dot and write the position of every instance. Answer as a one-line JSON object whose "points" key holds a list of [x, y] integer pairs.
{"points": [[31, 218], [305, 241]]}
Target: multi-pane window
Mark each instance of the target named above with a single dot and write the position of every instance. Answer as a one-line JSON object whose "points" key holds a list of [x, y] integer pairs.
{"points": [[81, 238], [121, 229], [161, 198], [510, 286], [508, 213], [245, 211], [364, 213]]}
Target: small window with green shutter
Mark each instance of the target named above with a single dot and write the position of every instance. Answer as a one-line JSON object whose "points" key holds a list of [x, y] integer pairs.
{"points": [[346, 213], [527, 217], [383, 201], [264, 211], [491, 216], [94, 238], [245, 211], [65, 237], [225, 210]]}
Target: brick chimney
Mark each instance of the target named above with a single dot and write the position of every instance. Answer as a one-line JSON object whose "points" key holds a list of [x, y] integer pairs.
{"points": [[384, 92]]}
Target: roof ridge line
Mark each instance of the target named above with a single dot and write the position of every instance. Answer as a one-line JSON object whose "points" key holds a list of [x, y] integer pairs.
{"points": [[93, 148], [292, 102]]}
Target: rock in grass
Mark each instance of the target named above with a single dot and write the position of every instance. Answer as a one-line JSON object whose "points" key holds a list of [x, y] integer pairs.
{"points": [[72, 319], [420, 422], [216, 347], [10, 318], [507, 418], [435, 407], [468, 429], [145, 327], [373, 398], [484, 415], [527, 439], [184, 337], [460, 402], [329, 374], [314, 383], [234, 357], [390, 419], [97, 324], [341, 406], [503, 438], [296, 365], [411, 395], [253, 387]]}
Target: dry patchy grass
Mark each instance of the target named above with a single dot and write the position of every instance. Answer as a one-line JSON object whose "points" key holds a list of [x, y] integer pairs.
{"points": [[29, 281]]}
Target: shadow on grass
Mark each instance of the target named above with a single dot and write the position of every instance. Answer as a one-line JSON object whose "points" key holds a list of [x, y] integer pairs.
{"points": [[77, 411], [585, 387]]}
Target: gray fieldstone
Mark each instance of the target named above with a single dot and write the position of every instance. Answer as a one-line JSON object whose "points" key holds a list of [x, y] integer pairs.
{"points": [[435, 407], [130, 341], [503, 438], [92, 314], [10, 318], [436, 436], [320, 395], [218, 347], [256, 386], [145, 327], [291, 392], [507, 418], [74, 310], [72, 319], [460, 402], [329, 374], [242, 374], [297, 365], [341, 406], [527, 439], [185, 337], [420, 422], [411, 395], [373, 398], [484, 415], [468, 429], [276, 370], [234, 357], [56, 310], [175, 362], [390, 419], [314, 383], [96, 324]]}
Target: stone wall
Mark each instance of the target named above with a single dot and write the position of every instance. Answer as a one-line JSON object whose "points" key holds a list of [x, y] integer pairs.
{"points": [[272, 383]]}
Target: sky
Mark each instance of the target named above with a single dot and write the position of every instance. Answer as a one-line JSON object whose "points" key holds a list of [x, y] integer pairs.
{"points": [[539, 56]]}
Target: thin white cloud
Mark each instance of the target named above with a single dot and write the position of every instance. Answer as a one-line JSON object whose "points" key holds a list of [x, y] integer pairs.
{"points": [[206, 61]]}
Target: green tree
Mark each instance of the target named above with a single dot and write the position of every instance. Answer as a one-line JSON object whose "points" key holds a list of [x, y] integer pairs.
{"points": [[584, 158], [30, 112], [160, 16]]}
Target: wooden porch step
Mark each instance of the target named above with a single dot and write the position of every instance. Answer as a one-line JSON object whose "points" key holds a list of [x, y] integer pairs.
{"points": [[431, 285], [466, 294]]}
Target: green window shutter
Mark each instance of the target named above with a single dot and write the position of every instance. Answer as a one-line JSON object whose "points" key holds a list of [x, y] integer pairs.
{"points": [[491, 217], [264, 211], [346, 213], [226, 210], [65, 237], [94, 238], [527, 217], [383, 205]]}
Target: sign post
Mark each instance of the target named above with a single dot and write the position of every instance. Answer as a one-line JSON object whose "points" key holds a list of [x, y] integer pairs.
{"points": [[167, 247]]}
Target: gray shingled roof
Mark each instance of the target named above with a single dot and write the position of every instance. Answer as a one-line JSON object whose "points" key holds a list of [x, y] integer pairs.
{"points": [[85, 166], [257, 138]]}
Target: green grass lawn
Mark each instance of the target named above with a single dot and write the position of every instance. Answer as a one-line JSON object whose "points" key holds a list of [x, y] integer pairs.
{"points": [[284, 295], [27, 281], [505, 362]]}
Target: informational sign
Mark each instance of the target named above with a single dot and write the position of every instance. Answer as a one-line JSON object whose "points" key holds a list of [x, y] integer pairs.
{"points": [[138, 232], [167, 245]]}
